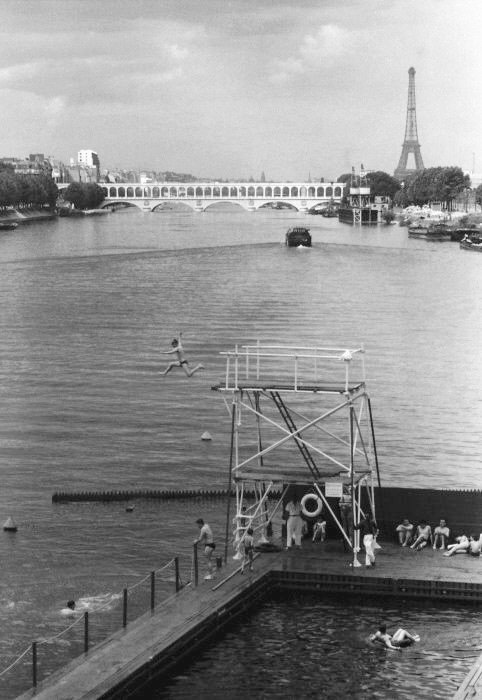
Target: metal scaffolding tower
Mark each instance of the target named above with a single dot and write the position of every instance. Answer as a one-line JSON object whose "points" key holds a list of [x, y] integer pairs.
{"points": [[410, 144], [300, 417]]}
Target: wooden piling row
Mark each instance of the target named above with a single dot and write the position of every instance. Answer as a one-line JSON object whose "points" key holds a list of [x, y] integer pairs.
{"points": [[104, 496]]}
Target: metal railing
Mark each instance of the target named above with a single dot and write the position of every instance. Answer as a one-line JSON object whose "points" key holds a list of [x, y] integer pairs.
{"points": [[84, 618], [295, 365]]}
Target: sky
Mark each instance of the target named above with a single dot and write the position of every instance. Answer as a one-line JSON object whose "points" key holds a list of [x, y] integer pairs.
{"points": [[230, 89]]}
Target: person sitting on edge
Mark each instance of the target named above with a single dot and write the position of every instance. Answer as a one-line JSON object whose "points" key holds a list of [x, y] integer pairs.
{"points": [[423, 535], [441, 534], [475, 546], [319, 530], [405, 530], [395, 642], [461, 545], [181, 361]]}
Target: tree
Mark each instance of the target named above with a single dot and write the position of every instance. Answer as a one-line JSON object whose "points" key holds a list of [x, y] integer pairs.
{"points": [[9, 190], [382, 184], [84, 195], [437, 185], [478, 195]]}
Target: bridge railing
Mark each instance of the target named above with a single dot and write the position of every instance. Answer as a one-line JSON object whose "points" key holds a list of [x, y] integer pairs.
{"points": [[224, 191]]}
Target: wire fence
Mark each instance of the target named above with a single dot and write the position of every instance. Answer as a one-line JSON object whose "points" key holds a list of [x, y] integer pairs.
{"points": [[93, 621]]}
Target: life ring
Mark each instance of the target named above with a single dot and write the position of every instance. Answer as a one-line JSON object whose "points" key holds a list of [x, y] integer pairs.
{"points": [[319, 505]]}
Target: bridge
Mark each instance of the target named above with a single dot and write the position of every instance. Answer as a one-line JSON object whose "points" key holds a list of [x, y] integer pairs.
{"points": [[303, 196]]}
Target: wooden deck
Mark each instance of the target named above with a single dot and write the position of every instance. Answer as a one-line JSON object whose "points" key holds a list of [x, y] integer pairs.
{"points": [[151, 645]]}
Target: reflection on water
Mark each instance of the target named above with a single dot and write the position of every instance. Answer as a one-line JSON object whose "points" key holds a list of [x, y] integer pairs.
{"points": [[301, 646]]}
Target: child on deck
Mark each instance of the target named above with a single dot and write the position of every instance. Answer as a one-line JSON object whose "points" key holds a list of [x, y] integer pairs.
{"points": [[319, 530]]}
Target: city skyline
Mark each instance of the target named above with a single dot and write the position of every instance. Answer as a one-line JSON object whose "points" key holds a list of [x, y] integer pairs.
{"points": [[234, 89]]}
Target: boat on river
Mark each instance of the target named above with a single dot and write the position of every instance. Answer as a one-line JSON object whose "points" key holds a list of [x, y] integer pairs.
{"points": [[431, 232], [8, 225], [459, 234], [298, 236], [472, 241]]}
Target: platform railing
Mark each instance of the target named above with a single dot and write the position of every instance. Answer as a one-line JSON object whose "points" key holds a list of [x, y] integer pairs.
{"points": [[293, 365], [134, 601]]}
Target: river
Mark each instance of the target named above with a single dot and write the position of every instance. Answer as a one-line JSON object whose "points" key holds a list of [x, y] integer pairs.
{"points": [[86, 305]]}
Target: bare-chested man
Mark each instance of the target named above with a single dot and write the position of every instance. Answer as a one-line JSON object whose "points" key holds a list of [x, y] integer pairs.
{"points": [[181, 361]]}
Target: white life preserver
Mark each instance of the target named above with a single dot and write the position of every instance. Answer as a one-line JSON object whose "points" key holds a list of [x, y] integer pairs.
{"points": [[319, 505]]}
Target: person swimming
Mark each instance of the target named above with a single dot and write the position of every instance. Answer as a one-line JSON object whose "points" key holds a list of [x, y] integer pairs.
{"points": [[69, 610], [401, 638]]}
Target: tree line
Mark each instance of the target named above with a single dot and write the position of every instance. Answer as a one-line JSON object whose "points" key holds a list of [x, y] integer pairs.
{"points": [[26, 191], [22, 191], [441, 184]]}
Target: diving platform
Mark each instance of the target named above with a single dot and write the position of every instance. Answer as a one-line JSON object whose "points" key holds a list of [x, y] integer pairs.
{"points": [[301, 423]]}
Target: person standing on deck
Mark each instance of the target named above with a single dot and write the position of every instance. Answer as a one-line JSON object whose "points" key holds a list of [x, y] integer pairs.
{"points": [[346, 514], [181, 361], [248, 543], [368, 531], [294, 523], [206, 538]]}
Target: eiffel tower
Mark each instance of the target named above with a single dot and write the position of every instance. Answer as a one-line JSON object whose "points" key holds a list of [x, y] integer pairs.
{"points": [[410, 144]]}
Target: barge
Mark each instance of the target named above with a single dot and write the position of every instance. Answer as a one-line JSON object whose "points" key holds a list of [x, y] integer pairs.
{"points": [[298, 236]]}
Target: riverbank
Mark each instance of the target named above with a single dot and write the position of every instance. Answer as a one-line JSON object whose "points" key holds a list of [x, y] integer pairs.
{"points": [[26, 216]]}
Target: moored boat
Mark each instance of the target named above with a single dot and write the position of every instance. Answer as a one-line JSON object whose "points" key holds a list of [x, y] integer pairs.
{"points": [[8, 225], [298, 236], [330, 211], [472, 241], [459, 234], [431, 232]]}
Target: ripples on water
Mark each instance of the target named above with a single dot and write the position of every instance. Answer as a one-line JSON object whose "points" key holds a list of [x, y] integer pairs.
{"points": [[86, 306], [304, 646]]}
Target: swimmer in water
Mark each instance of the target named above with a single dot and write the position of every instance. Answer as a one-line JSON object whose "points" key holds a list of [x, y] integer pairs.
{"points": [[69, 611], [181, 361], [396, 641]]}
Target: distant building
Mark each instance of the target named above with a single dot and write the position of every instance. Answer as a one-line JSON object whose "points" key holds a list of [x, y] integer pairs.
{"points": [[89, 158], [35, 164]]}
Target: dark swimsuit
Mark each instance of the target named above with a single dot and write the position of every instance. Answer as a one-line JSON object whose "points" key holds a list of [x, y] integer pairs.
{"points": [[182, 362]]}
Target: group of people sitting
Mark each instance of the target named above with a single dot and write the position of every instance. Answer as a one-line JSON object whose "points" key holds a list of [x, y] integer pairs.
{"points": [[422, 535]]}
